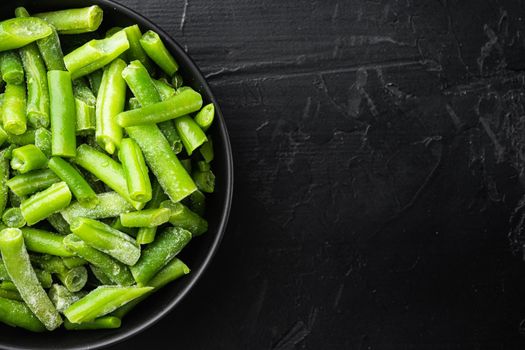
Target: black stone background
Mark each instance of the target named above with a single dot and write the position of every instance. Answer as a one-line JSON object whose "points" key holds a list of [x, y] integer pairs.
{"points": [[379, 147]]}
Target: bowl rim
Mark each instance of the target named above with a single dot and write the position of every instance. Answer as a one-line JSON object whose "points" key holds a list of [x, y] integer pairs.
{"points": [[196, 274]]}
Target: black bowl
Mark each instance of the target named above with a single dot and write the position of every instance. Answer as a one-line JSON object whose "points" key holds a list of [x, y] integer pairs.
{"points": [[200, 251]]}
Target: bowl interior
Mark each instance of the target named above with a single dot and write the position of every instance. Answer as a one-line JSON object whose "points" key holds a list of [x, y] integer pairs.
{"points": [[198, 253]]}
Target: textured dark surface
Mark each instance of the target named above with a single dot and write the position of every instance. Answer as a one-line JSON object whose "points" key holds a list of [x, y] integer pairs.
{"points": [[379, 148]]}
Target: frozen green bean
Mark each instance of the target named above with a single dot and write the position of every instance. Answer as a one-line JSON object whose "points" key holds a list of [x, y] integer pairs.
{"points": [[104, 322], [63, 114], [11, 67], [205, 117], [14, 32], [43, 141], [206, 150], [27, 158], [146, 218], [190, 133], [42, 204], [14, 109], [146, 235], [205, 180], [135, 171], [110, 204], [62, 298], [12, 217], [45, 242], [31, 182], [51, 51], [155, 49], [59, 224], [17, 314], [74, 180], [182, 216], [74, 21]]}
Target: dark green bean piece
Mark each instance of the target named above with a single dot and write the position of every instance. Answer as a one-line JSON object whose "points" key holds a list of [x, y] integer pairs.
{"points": [[174, 107], [95, 79], [51, 51], [110, 204], [10, 294], [171, 134], [198, 203], [3, 133], [101, 276], [155, 49], [14, 109], [182, 216], [63, 114], [206, 150], [205, 180], [76, 183], [43, 140], [15, 200], [42, 204], [17, 314], [116, 271], [104, 322], [45, 242], [203, 165], [21, 272], [60, 224], [191, 134], [11, 67], [12, 217], [95, 54], [74, 21], [14, 32]]}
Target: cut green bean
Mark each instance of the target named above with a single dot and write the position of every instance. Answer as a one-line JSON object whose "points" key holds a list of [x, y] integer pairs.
{"points": [[95, 79], [11, 67], [14, 200], [62, 298], [26, 138], [43, 277], [43, 141], [171, 134], [74, 180], [104, 322], [101, 276], [17, 314], [205, 117], [191, 134], [155, 49], [95, 54], [140, 83], [146, 218], [102, 301], [85, 102], [117, 272], [182, 216], [11, 295], [73, 261], [157, 254], [51, 51], [106, 239], [206, 150], [21, 272], [111, 100], [12, 217], [42, 204], [205, 180], [110, 204], [203, 165], [63, 114], [198, 202], [59, 223], [146, 235], [174, 107], [117, 225], [74, 21], [14, 109], [27, 158], [14, 32], [74, 279], [165, 90], [8, 285], [45, 242], [135, 171], [4, 176], [136, 52], [107, 170]]}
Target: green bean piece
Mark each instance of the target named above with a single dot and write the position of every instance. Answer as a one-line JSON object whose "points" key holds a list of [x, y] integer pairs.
{"points": [[62, 298], [146, 218], [168, 170], [205, 180], [43, 140], [198, 202], [45, 242], [95, 54], [11, 67], [101, 301], [44, 277], [155, 49], [51, 51], [42, 204], [177, 81], [74, 180], [146, 235], [101, 276], [117, 272], [31, 182], [171, 134], [63, 114], [203, 165], [133, 103], [112, 31], [14, 200], [191, 134], [73, 261], [74, 21], [136, 52], [205, 117], [110, 204], [26, 138], [59, 224], [135, 171], [85, 102], [12, 217], [106, 239], [74, 279], [14, 32], [4, 176], [140, 83], [117, 225], [157, 254], [104, 322], [27, 158], [169, 273], [206, 150], [165, 90], [10, 294], [95, 79], [14, 109], [182, 216], [17, 314], [8, 285], [3, 134], [21, 272], [174, 107], [111, 100], [107, 170]]}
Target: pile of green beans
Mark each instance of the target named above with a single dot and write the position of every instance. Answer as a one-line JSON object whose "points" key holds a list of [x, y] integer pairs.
{"points": [[105, 167]]}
